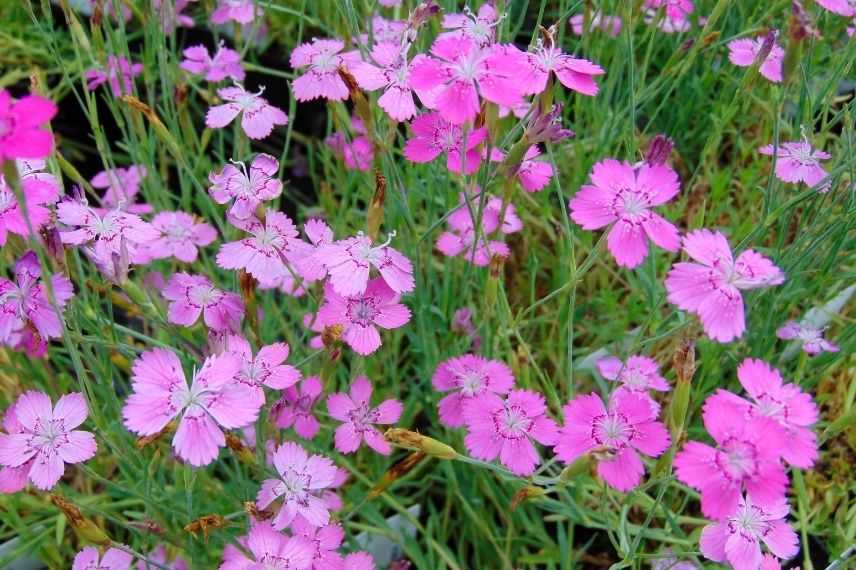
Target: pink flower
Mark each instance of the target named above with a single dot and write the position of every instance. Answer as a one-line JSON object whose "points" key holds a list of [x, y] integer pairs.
{"points": [[264, 252], [746, 457], [308, 262], [21, 132], [467, 377], [479, 27], [358, 152], [841, 7], [615, 436], [193, 296], [301, 478], [159, 556], [624, 196], [108, 233], [171, 16], [258, 119], [738, 539], [677, 13], [638, 375], [810, 337], [39, 189], [268, 549], [710, 286], [349, 262], [25, 308], [361, 314], [296, 408], [506, 428], [121, 188], [460, 73], [609, 24], [325, 541], [798, 162], [388, 70], [180, 237], [322, 61], [225, 63], [359, 418], [213, 401], [119, 74], [574, 73], [385, 31], [389, 3], [249, 189], [45, 437], [745, 51], [240, 11], [359, 561], [14, 479], [434, 135], [113, 559], [532, 174], [463, 235], [266, 369]]}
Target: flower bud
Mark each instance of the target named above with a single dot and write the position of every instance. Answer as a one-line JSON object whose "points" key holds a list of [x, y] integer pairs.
{"points": [[546, 127], [85, 528], [205, 524], [659, 151], [418, 442], [525, 494], [396, 472], [244, 454], [683, 361], [375, 214]]}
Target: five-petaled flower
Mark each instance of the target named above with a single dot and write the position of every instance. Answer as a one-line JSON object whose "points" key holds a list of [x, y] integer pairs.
{"points": [[433, 135], [266, 368], [466, 377], [264, 253], [349, 262], [811, 338], [181, 236], [249, 188], [744, 52], [322, 61], [193, 296], [265, 547], [799, 162], [258, 116], [113, 559], [39, 190], [296, 407], [21, 121], [224, 63], [359, 418]]}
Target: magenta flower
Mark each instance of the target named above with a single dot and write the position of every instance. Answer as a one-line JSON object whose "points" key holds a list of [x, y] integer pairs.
{"points": [[505, 427], [358, 152], [248, 188], [192, 296], [361, 314], [479, 27], [25, 309], [214, 400], [737, 540], [609, 24], [269, 549], [322, 61], [744, 52], [301, 478], [746, 457], [434, 135], [107, 233], [113, 559], [387, 69], [574, 73], [264, 252], [624, 196], [349, 262], [638, 375], [266, 368], [21, 121], [224, 63], [533, 174], [258, 116], [798, 162], [467, 377], [841, 7], [240, 11], [464, 238], [359, 418], [119, 73], [39, 189], [325, 540], [615, 436], [180, 237], [811, 338], [296, 408], [121, 187], [460, 73], [45, 437], [710, 285]]}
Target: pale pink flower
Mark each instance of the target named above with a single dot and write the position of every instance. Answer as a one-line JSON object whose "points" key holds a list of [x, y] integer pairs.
{"points": [[322, 61], [349, 262], [533, 174], [737, 540], [181, 236], [615, 436], [356, 151], [799, 162], [460, 73], [193, 296], [108, 233], [811, 338], [479, 27], [301, 478], [537, 66], [25, 309], [258, 116], [433, 135], [744, 52], [387, 69], [269, 550], [325, 540], [90, 559], [746, 458], [39, 189], [159, 556], [609, 24], [676, 14], [624, 196], [263, 254], [638, 375], [121, 186], [505, 427], [119, 73], [46, 438], [359, 418], [214, 400], [308, 263], [21, 122], [711, 285], [465, 239], [248, 188], [267, 368], [361, 314], [841, 7], [240, 11], [296, 407], [224, 63], [467, 377]]}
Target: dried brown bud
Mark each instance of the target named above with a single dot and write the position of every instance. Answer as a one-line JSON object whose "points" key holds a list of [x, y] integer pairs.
{"points": [[526, 493], [85, 528], [254, 511], [331, 334], [205, 524], [376, 210], [683, 360], [247, 284], [396, 472], [147, 440]]}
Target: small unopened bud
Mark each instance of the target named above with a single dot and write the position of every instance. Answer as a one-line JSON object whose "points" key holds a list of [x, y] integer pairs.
{"points": [[547, 127], [180, 94], [331, 334], [659, 151], [683, 361], [85, 528], [375, 214], [687, 44], [766, 46], [244, 454], [525, 494], [254, 511], [422, 13], [418, 442], [397, 471]]}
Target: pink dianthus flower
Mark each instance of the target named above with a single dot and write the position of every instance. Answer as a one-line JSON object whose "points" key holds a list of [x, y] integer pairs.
{"points": [[433, 135], [193, 296], [479, 27], [388, 70], [268, 549], [108, 233], [533, 174], [249, 188], [180, 237], [537, 66], [239, 11], [464, 239], [21, 122], [325, 541], [258, 116], [322, 61], [296, 407], [267, 368], [263, 254], [744, 52], [637, 375], [39, 189], [811, 338], [121, 186], [467, 377], [119, 74], [349, 262], [841, 7], [609, 24], [799, 162], [224, 63], [113, 559], [358, 152], [359, 418]]}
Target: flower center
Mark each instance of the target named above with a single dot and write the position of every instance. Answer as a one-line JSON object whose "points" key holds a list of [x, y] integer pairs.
{"points": [[362, 311], [771, 407], [613, 431], [748, 520], [204, 295], [548, 57], [325, 62], [362, 417], [738, 459], [632, 203], [471, 383], [634, 378], [512, 422]]}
